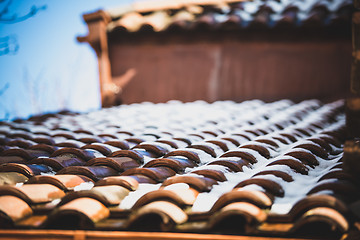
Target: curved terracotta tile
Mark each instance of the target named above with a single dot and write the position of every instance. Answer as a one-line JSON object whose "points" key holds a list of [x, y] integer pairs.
{"points": [[158, 174], [154, 149], [64, 182], [241, 154], [142, 179], [83, 131], [304, 132], [244, 136], [44, 147], [187, 141], [184, 153], [260, 199], [215, 174], [289, 17], [296, 165], [338, 134], [133, 141], [149, 136], [343, 14], [27, 154], [120, 164], [93, 172], [261, 18], [283, 175], [331, 140], [232, 23], [104, 149], [128, 182], [58, 163], [315, 149], [69, 143], [270, 186], [109, 195], [12, 159], [321, 142], [267, 141], [338, 165], [14, 208], [196, 136], [67, 135], [27, 170], [3, 146], [11, 178], [253, 133], [251, 217], [22, 143], [206, 148], [309, 222], [281, 139], [314, 201], [33, 193], [119, 144], [341, 187], [257, 147], [220, 143], [304, 156], [289, 137], [90, 139], [337, 174], [171, 143], [18, 134], [233, 140], [81, 213], [180, 197], [147, 217], [233, 163], [213, 133], [113, 193], [66, 152], [263, 131], [200, 183], [130, 154], [146, 154], [125, 132], [177, 164]]}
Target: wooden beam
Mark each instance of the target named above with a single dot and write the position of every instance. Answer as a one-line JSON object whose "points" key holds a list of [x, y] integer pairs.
{"points": [[355, 68], [97, 38], [112, 235]]}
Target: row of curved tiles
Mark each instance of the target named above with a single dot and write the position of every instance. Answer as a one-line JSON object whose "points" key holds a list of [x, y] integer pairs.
{"points": [[248, 168], [235, 16]]}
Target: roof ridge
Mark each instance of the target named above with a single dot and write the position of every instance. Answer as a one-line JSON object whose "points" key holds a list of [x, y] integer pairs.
{"points": [[158, 5]]}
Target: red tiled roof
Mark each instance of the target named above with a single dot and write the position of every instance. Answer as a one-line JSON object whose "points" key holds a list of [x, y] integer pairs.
{"points": [[239, 168], [160, 16]]}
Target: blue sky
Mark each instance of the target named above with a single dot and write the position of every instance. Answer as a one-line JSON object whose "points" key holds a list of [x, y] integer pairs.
{"points": [[51, 71]]}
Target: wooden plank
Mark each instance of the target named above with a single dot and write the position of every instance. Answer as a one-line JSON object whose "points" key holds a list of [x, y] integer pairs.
{"points": [[355, 67], [357, 4], [353, 117], [233, 69], [112, 235], [351, 159]]}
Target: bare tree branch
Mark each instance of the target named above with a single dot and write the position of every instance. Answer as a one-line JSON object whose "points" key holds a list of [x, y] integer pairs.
{"points": [[14, 18], [2, 90], [4, 108], [8, 45]]}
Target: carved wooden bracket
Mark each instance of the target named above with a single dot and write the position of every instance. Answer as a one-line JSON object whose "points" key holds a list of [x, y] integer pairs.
{"points": [[355, 68], [353, 104], [97, 38]]}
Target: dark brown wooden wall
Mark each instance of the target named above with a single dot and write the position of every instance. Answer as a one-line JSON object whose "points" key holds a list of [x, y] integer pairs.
{"points": [[233, 69]]}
